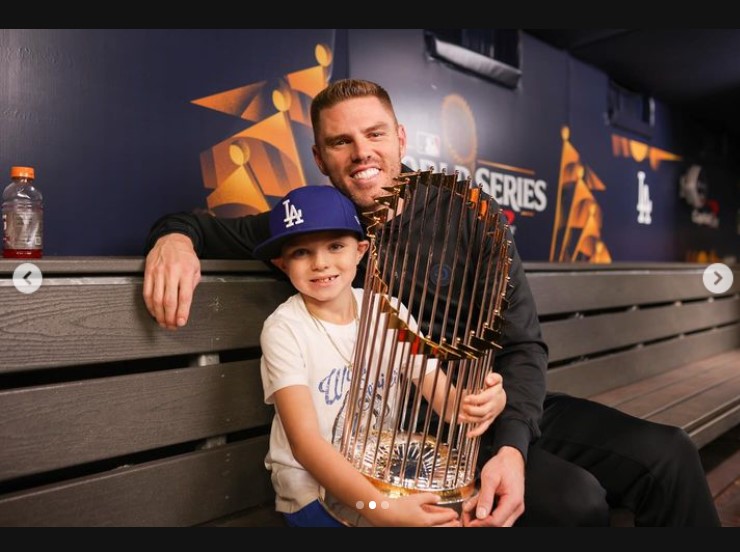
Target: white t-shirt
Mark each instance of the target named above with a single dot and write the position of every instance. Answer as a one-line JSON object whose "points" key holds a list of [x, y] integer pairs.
{"points": [[296, 351]]}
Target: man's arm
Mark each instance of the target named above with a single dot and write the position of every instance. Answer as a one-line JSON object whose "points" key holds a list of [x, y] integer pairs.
{"points": [[522, 361], [174, 247], [214, 237]]}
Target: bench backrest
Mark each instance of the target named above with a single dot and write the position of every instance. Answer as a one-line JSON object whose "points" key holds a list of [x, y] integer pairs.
{"points": [[650, 340], [608, 325], [110, 420]]}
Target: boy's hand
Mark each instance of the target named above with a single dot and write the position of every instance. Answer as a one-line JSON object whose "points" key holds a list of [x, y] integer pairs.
{"points": [[482, 408]]}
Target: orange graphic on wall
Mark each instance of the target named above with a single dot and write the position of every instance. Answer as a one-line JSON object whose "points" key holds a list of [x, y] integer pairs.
{"points": [[458, 130], [262, 161], [576, 234], [639, 151]]}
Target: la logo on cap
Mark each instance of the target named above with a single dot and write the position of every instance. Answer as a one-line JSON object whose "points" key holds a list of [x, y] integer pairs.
{"points": [[293, 215]]}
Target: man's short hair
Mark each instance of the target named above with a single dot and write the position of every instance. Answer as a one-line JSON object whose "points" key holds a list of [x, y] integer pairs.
{"points": [[346, 89]]}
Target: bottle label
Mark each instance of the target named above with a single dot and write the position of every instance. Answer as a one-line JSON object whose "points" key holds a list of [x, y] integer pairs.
{"points": [[23, 228]]}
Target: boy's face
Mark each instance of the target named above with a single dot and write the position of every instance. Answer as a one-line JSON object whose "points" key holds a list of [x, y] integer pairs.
{"points": [[359, 146], [322, 265]]}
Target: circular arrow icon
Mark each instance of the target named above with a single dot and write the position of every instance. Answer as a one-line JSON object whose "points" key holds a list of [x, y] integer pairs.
{"points": [[717, 278], [27, 278]]}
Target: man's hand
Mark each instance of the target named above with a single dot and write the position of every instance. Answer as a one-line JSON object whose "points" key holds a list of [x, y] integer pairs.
{"points": [[171, 272], [502, 477]]}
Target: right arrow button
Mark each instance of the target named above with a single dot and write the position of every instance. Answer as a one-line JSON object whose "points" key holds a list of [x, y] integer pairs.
{"points": [[717, 278]]}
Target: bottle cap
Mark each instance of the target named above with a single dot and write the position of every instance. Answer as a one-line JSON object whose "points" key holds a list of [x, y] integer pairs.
{"points": [[21, 172]]}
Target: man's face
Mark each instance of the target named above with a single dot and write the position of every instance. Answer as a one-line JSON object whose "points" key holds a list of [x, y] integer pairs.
{"points": [[359, 147]]}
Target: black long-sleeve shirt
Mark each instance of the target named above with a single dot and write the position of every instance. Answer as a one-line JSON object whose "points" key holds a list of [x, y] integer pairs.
{"points": [[522, 359]]}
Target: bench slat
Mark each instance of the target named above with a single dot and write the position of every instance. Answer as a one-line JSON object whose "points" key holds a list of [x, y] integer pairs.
{"points": [[631, 394], [563, 292], [697, 409], [87, 320], [703, 398], [55, 426], [652, 396], [261, 516], [590, 377], [576, 337], [185, 490], [709, 431]]}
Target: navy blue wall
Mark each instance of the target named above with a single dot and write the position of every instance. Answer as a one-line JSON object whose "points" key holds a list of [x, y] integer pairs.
{"points": [[519, 135], [108, 119]]}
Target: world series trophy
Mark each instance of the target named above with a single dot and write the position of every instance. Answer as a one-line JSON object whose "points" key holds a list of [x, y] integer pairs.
{"points": [[430, 313]]}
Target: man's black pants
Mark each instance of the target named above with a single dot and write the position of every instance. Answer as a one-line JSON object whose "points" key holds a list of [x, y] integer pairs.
{"points": [[592, 457]]}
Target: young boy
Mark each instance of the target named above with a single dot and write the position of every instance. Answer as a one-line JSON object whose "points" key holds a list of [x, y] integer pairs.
{"points": [[307, 352]]}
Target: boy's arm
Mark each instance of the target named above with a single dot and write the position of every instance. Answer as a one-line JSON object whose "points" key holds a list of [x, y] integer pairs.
{"points": [[339, 477], [479, 409]]}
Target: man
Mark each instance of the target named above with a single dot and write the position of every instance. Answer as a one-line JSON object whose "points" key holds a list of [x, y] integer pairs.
{"points": [[549, 459]]}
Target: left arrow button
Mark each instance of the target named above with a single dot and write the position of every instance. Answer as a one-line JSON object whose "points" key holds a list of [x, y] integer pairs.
{"points": [[27, 278]]}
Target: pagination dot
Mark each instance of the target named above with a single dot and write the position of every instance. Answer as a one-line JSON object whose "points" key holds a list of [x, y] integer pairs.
{"points": [[372, 505], [359, 504]]}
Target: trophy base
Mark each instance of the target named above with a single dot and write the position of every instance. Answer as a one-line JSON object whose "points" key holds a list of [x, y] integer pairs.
{"points": [[405, 465]]}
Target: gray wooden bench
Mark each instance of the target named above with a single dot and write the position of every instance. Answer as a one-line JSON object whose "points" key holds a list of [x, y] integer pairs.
{"points": [[647, 339], [108, 420]]}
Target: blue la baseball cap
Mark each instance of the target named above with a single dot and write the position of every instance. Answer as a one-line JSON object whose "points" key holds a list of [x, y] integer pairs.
{"points": [[308, 209]]}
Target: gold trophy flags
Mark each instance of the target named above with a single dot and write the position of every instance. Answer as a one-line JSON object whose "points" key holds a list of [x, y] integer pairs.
{"points": [[430, 326]]}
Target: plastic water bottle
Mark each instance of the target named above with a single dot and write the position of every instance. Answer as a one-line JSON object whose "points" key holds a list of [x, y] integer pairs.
{"points": [[23, 216]]}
